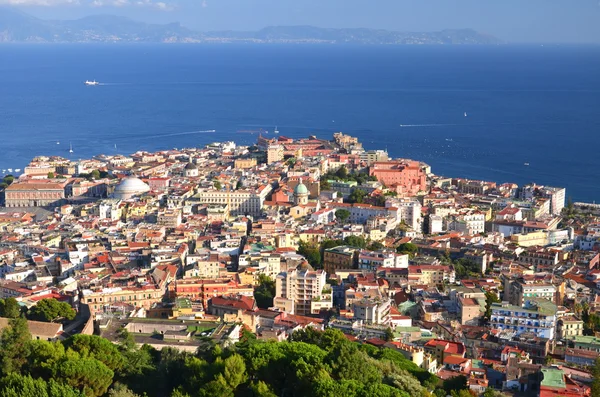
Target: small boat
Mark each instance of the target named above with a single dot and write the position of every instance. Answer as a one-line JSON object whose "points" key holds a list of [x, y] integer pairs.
{"points": [[17, 170], [93, 82], [70, 148], [57, 142], [526, 164], [276, 131], [465, 114], [10, 170]]}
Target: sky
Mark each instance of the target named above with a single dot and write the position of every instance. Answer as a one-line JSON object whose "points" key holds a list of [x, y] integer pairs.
{"points": [[524, 21]]}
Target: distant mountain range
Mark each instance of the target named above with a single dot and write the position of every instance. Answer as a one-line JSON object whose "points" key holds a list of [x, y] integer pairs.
{"points": [[19, 27]]}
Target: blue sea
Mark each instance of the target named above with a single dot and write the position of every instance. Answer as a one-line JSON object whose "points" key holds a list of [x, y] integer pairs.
{"points": [[525, 104]]}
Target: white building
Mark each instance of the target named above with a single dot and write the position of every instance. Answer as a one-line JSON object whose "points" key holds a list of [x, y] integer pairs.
{"points": [[372, 311], [536, 316], [436, 224], [302, 292], [371, 260], [469, 223], [241, 202]]}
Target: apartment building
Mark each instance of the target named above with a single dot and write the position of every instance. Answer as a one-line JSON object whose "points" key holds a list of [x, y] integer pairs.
{"points": [[535, 316], [303, 292]]}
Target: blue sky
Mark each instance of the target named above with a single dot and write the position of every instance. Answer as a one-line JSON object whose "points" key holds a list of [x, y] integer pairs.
{"points": [[512, 20]]}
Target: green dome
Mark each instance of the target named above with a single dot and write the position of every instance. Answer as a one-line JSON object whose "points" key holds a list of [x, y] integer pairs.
{"points": [[300, 189]]}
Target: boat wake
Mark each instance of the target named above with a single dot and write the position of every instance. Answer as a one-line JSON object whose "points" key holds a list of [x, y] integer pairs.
{"points": [[426, 125]]}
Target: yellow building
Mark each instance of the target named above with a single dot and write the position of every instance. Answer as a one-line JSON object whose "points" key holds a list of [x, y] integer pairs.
{"points": [[530, 239], [245, 163]]}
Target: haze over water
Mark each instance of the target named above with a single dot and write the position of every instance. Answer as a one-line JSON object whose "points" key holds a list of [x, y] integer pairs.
{"points": [[524, 104]]}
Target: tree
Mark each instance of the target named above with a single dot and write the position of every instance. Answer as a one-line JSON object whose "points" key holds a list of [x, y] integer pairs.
{"points": [[455, 384], [13, 340], [17, 385], [51, 175], [95, 174], [375, 246], [311, 253], [407, 248], [8, 179], [342, 172], [86, 374], [51, 310], [355, 241], [238, 185], [490, 297], [265, 292], [91, 346], [218, 185], [234, 371], [357, 196], [596, 379], [342, 215], [389, 334], [9, 308]]}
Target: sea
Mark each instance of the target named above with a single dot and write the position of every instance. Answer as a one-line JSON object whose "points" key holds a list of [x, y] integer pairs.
{"points": [[479, 112]]}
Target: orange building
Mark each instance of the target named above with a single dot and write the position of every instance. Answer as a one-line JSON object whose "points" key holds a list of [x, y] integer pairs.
{"points": [[406, 176]]}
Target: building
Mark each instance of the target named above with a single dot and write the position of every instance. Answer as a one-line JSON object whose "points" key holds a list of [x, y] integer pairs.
{"points": [[430, 274], [372, 260], [274, 154], [406, 176], [36, 193], [372, 311], [241, 201], [441, 349], [130, 187], [569, 326], [522, 290], [300, 194], [341, 257], [191, 170], [303, 292], [536, 316], [39, 330], [471, 310]]}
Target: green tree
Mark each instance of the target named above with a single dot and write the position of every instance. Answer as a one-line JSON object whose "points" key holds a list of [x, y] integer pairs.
{"points": [[51, 310], [86, 374], [389, 334], [101, 349], [9, 308], [357, 196], [490, 297], [95, 174], [355, 241], [342, 172], [17, 385], [51, 175], [8, 179], [342, 215], [13, 340], [596, 379], [217, 185], [234, 371], [311, 253], [455, 384], [120, 390], [375, 246], [265, 292], [407, 248]]}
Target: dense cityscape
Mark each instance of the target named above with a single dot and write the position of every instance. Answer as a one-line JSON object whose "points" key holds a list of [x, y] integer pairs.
{"points": [[292, 267]]}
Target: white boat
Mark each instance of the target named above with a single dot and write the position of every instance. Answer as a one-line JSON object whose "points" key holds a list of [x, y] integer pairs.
{"points": [[93, 82], [526, 164], [17, 170], [465, 114], [10, 170], [57, 142], [70, 148], [276, 131]]}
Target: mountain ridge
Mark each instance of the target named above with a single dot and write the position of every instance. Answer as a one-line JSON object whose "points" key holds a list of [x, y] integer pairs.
{"points": [[19, 27]]}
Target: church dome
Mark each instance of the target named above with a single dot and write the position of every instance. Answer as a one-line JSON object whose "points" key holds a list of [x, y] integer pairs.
{"points": [[191, 166], [300, 189], [129, 187]]}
